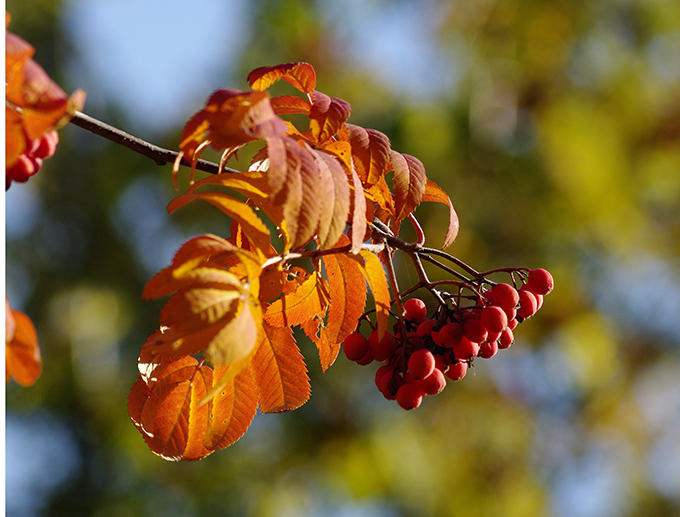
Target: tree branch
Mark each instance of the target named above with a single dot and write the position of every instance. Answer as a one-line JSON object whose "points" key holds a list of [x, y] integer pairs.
{"points": [[159, 155]]}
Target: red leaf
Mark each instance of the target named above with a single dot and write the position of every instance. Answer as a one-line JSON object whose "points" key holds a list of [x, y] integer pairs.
{"points": [[409, 183], [301, 75], [279, 371], [327, 116], [22, 353], [370, 152], [433, 192]]}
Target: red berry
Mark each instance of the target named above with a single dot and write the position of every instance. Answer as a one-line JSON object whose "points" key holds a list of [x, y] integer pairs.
{"points": [[506, 339], [409, 396], [433, 383], [457, 371], [475, 330], [449, 335], [415, 309], [381, 372], [465, 349], [488, 349], [494, 318], [384, 348], [512, 324], [540, 281], [421, 363], [440, 362], [528, 304], [355, 346], [367, 359], [389, 384], [425, 327], [505, 296], [493, 336]]}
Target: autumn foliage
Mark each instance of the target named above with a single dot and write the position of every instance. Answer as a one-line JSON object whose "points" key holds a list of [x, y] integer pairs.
{"points": [[234, 301], [314, 224]]}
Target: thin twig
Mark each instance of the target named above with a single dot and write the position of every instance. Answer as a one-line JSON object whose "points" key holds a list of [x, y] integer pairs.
{"points": [[159, 155]]}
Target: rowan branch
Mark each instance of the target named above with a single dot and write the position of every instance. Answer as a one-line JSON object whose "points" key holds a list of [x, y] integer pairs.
{"points": [[159, 155]]}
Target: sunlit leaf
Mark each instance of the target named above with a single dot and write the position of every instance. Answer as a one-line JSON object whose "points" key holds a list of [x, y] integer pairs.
{"points": [[300, 75], [308, 300], [238, 338], [360, 217], [335, 194], [328, 350], [409, 183], [434, 193], [373, 272], [230, 120], [289, 104], [348, 295], [370, 152], [252, 225], [326, 116], [232, 409], [169, 415], [279, 371]]}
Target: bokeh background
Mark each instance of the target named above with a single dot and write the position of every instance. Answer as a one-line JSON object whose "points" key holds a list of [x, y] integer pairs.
{"points": [[554, 126]]}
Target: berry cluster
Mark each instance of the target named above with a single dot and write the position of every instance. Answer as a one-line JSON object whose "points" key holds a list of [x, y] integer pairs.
{"points": [[31, 161], [443, 347]]}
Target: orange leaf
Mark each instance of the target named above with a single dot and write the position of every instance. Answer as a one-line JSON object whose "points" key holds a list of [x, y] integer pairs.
{"points": [[342, 150], [168, 414], [237, 340], [253, 184], [22, 353], [433, 192], [232, 409], [347, 289], [301, 75], [370, 152], [382, 195], [335, 196], [279, 371], [374, 274], [252, 225], [326, 117], [230, 120], [200, 250], [359, 215], [409, 183], [289, 104], [308, 300], [318, 333]]}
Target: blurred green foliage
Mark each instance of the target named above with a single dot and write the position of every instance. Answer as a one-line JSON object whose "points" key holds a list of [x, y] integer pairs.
{"points": [[558, 143]]}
